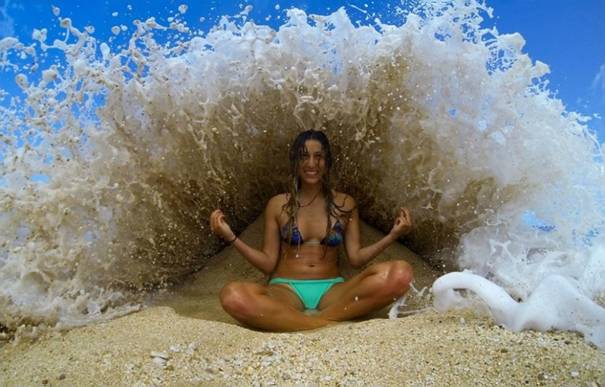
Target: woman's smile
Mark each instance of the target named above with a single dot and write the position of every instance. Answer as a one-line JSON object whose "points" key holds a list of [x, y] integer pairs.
{"points": [[311, 173]]}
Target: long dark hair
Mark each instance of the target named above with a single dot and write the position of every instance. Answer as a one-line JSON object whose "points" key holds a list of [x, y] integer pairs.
{"points": [[297, 151]]}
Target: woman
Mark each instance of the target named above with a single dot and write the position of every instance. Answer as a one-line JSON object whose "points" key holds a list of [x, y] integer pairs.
{"points": [[303, 230]]}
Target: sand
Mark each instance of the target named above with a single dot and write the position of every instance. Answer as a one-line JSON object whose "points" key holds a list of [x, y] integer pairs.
{"points": [[185, 338]]}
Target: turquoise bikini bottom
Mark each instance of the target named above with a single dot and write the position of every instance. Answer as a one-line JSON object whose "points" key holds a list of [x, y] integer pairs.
{"points": [[310, 291]]}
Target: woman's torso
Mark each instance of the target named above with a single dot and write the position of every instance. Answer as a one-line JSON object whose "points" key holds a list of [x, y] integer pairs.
{"points": [[309, 250]]}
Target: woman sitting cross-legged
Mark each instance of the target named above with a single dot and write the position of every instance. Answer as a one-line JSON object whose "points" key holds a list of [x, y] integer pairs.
{"points": [[303, 231]]}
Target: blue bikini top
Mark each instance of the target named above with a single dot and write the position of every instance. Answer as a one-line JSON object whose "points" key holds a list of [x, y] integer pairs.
{"points": [[333, 239]]}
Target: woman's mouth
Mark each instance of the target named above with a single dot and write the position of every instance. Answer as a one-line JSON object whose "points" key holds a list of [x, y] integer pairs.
{"points": [[312, 173]]}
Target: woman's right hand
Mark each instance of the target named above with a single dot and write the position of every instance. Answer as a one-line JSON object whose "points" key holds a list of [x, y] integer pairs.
{"points": [[219, 226]]}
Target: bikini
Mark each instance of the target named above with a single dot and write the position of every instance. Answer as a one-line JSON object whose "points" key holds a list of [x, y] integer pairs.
{"points": [[333, 239], [311, 291]]}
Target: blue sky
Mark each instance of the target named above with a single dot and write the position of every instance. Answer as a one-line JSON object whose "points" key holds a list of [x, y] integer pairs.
{"points": [[566, 35]]}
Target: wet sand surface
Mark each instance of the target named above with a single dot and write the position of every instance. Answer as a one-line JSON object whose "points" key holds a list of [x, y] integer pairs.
{"points": [[185, 338]]}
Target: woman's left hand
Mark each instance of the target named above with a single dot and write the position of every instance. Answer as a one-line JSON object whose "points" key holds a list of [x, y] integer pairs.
{"points": [[403, 223]]}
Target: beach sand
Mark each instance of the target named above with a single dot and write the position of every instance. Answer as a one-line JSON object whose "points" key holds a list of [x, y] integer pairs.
{"points": [[185, 338]]}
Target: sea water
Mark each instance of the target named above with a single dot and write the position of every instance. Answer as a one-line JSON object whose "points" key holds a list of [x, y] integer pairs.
{"points": [[114, 155]]}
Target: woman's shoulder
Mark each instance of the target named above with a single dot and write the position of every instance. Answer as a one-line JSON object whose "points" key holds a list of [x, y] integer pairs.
{"points": [[344, 201], [279, 199]]}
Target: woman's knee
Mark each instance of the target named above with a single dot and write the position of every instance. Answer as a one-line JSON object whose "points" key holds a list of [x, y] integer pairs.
{"points": [[397, 276], [237, 299]]}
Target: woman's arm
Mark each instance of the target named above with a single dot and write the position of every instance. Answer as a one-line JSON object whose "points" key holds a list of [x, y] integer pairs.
{"points": [[358, 255], [264, 259]]}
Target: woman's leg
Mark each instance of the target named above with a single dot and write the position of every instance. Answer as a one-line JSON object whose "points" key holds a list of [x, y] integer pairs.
{"points": [[271, 308], [370, 290]]}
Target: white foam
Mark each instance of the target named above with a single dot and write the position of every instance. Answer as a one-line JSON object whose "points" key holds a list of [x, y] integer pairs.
{"points": [[556, 303]]}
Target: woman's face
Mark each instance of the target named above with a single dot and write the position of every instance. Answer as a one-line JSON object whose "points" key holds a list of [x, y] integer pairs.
{"points": [[312, 165]]}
